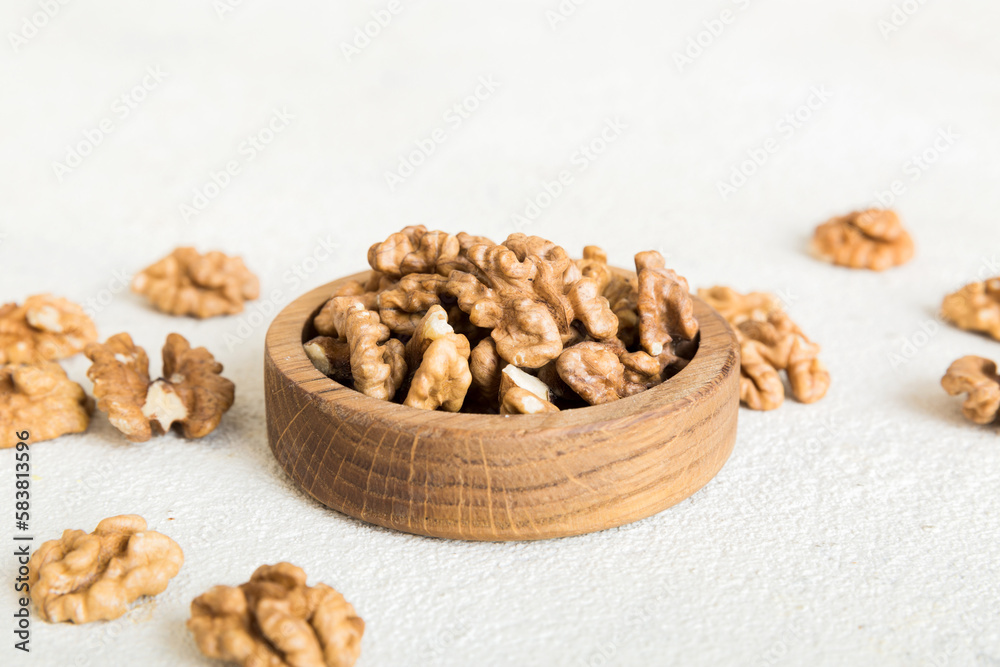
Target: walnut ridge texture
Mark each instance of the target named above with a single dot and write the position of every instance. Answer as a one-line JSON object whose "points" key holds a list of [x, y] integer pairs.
{"points": [[191, 393], [975, 307], [871, 239], [276, 620], [444, 316], [41, 400], [43, 328], [93, 577], [186, 282], [978, 378]]}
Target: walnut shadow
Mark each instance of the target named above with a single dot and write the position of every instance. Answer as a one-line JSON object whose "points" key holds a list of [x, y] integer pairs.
{"points": [[492, 477]]}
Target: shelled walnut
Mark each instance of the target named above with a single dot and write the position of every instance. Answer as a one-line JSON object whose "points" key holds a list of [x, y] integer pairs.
{"points": [[444, 317], [190, 394], [276, 620], [43, 328], [975, 307], [769, 342], [82, 578], [872, 239], [186, 282], [978, 378], [40, 399]]}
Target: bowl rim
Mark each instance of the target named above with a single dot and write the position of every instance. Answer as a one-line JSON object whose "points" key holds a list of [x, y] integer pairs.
{"points": [[717, 350]]}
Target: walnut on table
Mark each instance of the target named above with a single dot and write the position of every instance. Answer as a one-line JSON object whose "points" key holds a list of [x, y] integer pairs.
{"points": [[769, 342], [186, 282], [975, 307], [83, 578], [191, 393], [871, 239], [40, 399], [43, 328], [978, 378], [276, 620]]}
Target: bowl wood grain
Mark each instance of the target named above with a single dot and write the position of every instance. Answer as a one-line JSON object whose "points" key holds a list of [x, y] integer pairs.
{"points": [[490, 477]]}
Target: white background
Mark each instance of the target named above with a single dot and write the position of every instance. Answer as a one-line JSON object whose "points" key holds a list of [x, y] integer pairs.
{"points": [[861, 530]]}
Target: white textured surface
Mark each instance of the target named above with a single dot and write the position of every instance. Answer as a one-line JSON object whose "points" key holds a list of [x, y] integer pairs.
{"points": [[862, 530]]}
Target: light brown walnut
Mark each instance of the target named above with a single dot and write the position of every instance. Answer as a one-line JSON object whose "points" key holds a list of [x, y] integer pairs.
{"points": [[378, 366], [186, 282], [769, 338], [978, 378], [871, 239], [331, 320], [443, 377], [44, 328], [595, 372], [387, 257], [191, 394], [331, 357], [83, 578], [622, 294], [276, 620], [594, 265], [532, 294], [40, 399], [404, 304], [975, 307], [666, 311], [523, 394], [486, 367]]}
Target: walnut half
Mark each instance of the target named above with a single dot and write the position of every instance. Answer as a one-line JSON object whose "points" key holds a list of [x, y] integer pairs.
{"points": [[44, 328], [83, 578], [275, 620], [975, 307], [978, 378], [186, 282], [191, 392], [40, 399], [872, 239]]}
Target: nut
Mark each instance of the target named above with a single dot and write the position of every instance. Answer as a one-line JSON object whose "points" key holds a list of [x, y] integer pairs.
{"points": [[45, 328], [388, 256], [403, 305], [872, 239], [40, 399], [443, 377], [486, 367], [82, 578], [531, 296], [594, 265], [666, 311], [595, 372], [191, 392], [377, 361], [331, 357], [185, 282], [275, 620], [978, 378], [975, 307], [769, 338], [523, 394], [331, 320]]}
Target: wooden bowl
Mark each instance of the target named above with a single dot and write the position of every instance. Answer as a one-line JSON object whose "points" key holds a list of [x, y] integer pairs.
{"points": [[489, 477]]}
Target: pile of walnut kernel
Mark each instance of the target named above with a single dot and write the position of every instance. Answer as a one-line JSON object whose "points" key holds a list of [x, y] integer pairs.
{"points": [[461, 323]]}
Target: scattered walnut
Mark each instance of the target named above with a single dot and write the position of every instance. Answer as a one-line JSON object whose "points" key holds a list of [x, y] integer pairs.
{"points": [[978, 378], [185, 282], [40, 399], [769, 338], [871, 239], [533, 294], [82, 578], [44, 328], [191, 392], [523, 394], [975, 307], [276, 620], [377, 361], [666, 311]]}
